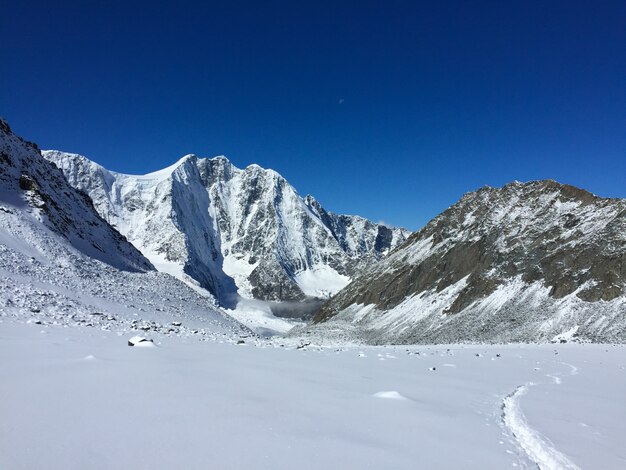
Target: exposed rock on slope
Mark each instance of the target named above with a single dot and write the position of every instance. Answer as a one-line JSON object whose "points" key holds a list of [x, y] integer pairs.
{"points": [[232, 230], [30, 182], [525, 262]]}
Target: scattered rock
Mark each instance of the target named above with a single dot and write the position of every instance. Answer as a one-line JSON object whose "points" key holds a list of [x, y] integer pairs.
{"points": [[140, 341]]}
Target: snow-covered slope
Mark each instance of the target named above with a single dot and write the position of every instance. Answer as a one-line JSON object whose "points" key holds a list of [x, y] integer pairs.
{"points": [[527, 262], [230, 230], [62, 264], [31, 184]]}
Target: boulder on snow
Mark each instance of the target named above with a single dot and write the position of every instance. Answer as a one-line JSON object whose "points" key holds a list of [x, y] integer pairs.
{"points": [[140, 341]]}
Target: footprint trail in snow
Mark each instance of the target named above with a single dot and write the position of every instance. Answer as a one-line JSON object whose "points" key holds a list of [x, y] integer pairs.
{"points": [[537, 447]]}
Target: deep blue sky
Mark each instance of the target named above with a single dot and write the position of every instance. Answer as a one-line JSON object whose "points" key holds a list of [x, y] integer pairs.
{"points": [[390, 110]]}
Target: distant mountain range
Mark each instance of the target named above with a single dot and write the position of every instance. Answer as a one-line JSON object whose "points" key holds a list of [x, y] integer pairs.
{"points": [[529, 262]]}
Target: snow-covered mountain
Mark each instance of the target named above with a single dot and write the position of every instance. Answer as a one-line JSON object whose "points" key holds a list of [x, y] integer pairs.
{"points": [[527, 262], [62, 264], [230, 230]]}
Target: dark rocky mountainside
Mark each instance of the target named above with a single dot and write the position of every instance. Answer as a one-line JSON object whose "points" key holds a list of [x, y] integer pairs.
{"points": [[525, 262]]}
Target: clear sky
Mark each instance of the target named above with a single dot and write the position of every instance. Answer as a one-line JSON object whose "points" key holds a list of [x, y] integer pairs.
{"points": [[391, 109]]}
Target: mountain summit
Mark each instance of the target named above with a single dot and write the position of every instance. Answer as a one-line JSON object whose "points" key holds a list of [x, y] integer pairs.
{"points": [[231, 230]]}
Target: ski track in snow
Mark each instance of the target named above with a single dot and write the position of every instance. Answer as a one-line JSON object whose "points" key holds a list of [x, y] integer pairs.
{"points": [[535, 446]]}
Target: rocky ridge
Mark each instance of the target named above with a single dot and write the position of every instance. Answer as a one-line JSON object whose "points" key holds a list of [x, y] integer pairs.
{"points": [[526, 262]]}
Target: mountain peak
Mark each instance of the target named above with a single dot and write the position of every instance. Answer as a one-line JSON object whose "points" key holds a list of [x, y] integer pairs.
{"points": [[231, 230], [221, 159], [4, 126], [534, 188], [167, 172]]}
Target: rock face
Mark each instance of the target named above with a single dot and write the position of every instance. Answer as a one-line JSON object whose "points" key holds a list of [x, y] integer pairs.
{"points": [[31, 183], [230, 230], [526, 262]]}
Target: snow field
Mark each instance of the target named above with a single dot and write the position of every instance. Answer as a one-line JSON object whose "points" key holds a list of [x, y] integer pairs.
{"points": [[81, 398]]}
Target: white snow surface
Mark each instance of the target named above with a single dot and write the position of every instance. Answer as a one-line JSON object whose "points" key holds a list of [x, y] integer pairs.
{"points": [[536, 447], [321, 281], [76, 397], [257, 315]]}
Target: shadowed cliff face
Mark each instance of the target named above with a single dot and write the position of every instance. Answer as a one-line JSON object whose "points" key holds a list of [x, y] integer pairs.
{"points": [[567, 239]]}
